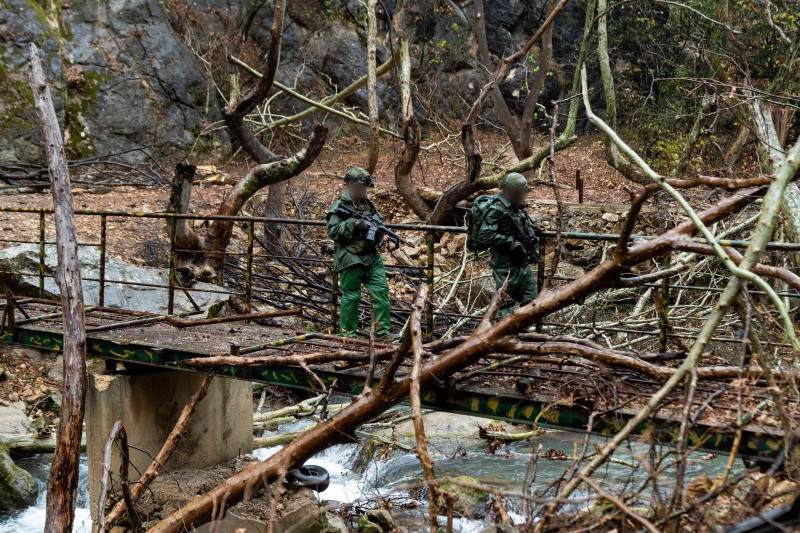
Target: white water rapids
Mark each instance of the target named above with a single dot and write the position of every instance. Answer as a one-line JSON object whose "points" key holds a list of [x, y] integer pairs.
{"points": [[387, 479]]}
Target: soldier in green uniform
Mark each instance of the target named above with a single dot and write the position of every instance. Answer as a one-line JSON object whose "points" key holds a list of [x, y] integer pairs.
{"points": [[357, 260], [508, 254]]}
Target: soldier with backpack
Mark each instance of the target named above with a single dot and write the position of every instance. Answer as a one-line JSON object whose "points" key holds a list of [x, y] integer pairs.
{"points": [[499, 223]]}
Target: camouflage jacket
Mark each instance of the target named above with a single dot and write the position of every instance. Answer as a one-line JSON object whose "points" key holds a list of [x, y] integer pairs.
{"points": [[350, 246]]}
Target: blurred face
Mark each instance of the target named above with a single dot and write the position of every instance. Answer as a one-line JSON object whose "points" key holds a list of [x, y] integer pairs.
{"points": [[357, 191], [515, 196]]}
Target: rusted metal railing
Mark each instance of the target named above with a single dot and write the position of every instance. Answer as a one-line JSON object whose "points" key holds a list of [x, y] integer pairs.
{"points": [[428, 268]]}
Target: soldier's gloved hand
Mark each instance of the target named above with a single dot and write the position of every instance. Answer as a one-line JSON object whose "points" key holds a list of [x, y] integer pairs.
{"points": [[360, 224], [517, 249]]}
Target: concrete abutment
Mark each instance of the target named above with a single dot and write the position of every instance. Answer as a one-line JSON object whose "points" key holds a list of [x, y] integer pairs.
{"points": [[220, 429]]}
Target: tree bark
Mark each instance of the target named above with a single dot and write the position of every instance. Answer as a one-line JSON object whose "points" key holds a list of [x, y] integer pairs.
{"points": [[411, 138], [543, 62], [181, 196], [372, 88], [613, 156], [63, 482]]}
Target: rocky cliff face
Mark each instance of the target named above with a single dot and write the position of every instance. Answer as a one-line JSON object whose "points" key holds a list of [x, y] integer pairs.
{"points": [[124, 75], [122, 78]]}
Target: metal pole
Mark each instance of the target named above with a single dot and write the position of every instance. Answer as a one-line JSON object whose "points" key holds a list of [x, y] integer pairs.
{"points": [[172, 261], [248, 290], [663, 319], [429, 303], [101, 291], [540, 271], [41, 254], [334, 300]]}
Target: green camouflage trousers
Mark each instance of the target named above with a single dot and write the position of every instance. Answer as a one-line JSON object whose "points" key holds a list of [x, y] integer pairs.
{"points": [[373, 278], [522, 287]]}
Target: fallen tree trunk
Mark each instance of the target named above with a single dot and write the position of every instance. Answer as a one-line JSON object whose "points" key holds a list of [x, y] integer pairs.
{"points": [[341, 428], [279, 439], [63, 483]]}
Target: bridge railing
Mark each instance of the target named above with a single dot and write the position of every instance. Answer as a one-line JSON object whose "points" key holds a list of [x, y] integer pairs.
{"points": [[427, 265]]}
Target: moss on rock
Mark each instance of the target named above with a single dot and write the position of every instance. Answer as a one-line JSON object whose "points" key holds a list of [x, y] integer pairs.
{"points": [[466, 500], [18, 489]]}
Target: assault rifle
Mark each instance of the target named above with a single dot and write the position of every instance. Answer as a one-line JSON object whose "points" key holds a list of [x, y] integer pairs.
{"points": [[376, 229], [530, 241]]}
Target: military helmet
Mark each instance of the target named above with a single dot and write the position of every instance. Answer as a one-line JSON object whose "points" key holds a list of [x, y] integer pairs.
{"points": [[515, 180], [359, 175]]}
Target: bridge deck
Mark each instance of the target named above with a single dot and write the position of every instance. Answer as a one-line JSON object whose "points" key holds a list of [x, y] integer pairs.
{"points": [[562, 394]]}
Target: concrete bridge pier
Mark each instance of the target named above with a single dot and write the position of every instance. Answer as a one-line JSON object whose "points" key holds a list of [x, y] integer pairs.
{"points": [[220, 429]]}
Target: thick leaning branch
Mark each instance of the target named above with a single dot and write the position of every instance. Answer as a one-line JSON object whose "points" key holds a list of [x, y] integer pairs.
{"points": [[219, 234], [62, 485], [416, 405], [105, 485], [234, 114], [342, 427]]}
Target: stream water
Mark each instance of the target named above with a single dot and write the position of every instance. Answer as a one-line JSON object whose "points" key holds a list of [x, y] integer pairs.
{"points": [[388, 478], [31, 520]]}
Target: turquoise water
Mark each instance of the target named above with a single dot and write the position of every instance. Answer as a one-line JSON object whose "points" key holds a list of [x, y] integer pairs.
{"points": [[390, 479]]}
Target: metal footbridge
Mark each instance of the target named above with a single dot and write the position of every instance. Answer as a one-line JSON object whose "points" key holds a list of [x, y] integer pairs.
{"points": [[560, 392]]}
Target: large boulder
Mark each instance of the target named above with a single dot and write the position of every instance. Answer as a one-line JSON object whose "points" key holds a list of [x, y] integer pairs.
{"points": [[18, 489], [443, 428], [13, 420], [144, 297]]}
